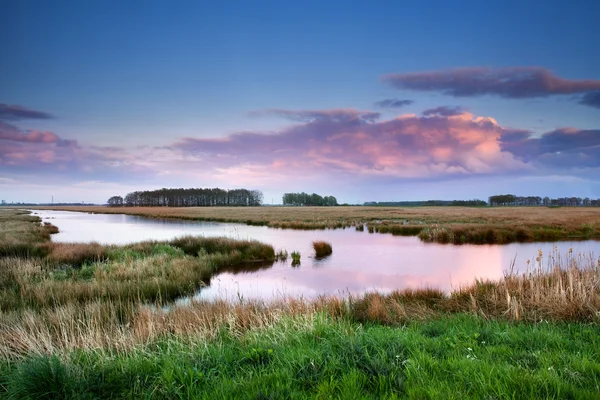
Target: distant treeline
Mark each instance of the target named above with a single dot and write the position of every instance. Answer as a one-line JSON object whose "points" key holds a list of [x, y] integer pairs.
{"points": [[436, 203], [512, 200], [45, 204], [189, 198], [305, 199]]}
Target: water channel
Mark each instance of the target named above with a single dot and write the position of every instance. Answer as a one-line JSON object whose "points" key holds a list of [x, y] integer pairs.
{"points": [[360, 261]]}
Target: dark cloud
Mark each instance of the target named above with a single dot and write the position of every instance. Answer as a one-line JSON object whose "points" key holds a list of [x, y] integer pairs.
{"points": [[515, 82], [444, 111], [566, 147], [335, 115], [11, 112], [591, 99], [393, 103]]}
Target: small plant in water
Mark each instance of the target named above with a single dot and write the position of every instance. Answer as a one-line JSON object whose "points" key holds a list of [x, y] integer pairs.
{"points": [[295, 258], [322, 249], [282, 255]]}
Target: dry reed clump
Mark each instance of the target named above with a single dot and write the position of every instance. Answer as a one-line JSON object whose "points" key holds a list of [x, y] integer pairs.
{"points": [[49, 229], [322, 249], [247, 250], [76, 254], [21, 234]]}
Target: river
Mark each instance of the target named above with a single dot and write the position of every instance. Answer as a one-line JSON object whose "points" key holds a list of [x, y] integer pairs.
{"points": [[360, 261]]}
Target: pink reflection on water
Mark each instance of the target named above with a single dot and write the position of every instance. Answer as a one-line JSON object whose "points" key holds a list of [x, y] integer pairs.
{"points": [[360, 261]]}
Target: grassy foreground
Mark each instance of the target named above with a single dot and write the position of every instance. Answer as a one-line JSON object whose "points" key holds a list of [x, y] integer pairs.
{"points": [[478, 225], [87, 321], [453, 357]]}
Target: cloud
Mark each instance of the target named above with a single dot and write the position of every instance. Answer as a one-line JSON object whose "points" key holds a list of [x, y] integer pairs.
{"points": [[514, 82], [43, 154], [562, 148], [335, 115], [408, 146], [444, 111], [11, 112], [12, 133], [591, 99], [393, 103]]}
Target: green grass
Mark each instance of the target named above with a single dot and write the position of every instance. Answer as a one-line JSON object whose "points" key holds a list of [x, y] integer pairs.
{"points": [[84, 321], [295, 257], [453, 357]]}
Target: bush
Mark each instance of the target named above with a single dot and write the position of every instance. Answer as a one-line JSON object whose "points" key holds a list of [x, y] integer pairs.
{"points": [[322, 249]]}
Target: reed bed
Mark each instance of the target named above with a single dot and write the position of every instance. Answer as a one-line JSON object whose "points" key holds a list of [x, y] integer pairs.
{"points": [[438, 224], [555, 288]]}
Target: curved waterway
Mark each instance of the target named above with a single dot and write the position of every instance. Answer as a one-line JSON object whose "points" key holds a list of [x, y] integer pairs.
{"points": [[360, 261]]}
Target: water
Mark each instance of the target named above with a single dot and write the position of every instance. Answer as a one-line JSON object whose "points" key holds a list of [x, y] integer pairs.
{"points": [[360, 261]]}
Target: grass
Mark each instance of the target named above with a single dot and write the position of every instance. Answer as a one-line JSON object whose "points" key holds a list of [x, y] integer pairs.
{"points": [[295, 258], [147, 271], [456, 225], [322, 249], [21, 234], [453, 357], [92, 321], [561, 289]]}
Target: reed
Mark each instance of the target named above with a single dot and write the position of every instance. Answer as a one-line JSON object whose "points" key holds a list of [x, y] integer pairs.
{"points": [[322, 249], [557, 287], [295, 258]]}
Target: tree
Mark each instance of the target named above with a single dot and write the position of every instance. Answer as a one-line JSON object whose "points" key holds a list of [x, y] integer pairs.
{"points": [[115, 201], [305, 199]]}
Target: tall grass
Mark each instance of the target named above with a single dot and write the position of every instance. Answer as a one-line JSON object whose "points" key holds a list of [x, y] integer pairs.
{"points": [[322, 249], [556, 288], [21, 234], [141, 272]]}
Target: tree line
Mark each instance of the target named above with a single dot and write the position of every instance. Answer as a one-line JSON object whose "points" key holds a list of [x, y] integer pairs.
{"points": [[196, 197], [305, 199], [430, 203], [512, 200]]}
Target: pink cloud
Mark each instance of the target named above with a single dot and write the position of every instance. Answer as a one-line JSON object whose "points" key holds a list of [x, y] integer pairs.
{"points": [[343, 141]]}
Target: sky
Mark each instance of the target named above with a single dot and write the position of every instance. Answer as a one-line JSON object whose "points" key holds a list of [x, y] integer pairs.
{"points": [[362, 100]]}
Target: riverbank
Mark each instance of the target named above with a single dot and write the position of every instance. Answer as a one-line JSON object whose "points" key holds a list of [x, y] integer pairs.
{"points": [[88, 321], [458, 225]]}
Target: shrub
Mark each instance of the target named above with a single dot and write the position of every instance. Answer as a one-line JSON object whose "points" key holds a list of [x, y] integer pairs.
{"points": [[322, 249]]}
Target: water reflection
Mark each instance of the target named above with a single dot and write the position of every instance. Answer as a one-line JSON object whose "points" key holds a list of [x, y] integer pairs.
{"points": [[360, 261]]}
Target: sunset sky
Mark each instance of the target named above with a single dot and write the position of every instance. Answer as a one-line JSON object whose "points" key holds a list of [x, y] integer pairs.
{"points": [[366, 101]]}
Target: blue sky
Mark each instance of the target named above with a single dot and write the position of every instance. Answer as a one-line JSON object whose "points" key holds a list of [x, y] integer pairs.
{"points": [[137, 84]]}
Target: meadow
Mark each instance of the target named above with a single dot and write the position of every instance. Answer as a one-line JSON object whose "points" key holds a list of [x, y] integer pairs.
{"points": [[457, 225], [92, 321]]}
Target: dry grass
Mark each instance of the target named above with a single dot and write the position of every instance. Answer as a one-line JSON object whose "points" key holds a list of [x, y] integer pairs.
{"points": [[557, 288], [443, 224], [143, 272], [21, 234], [564, 288], [322, 249]]}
